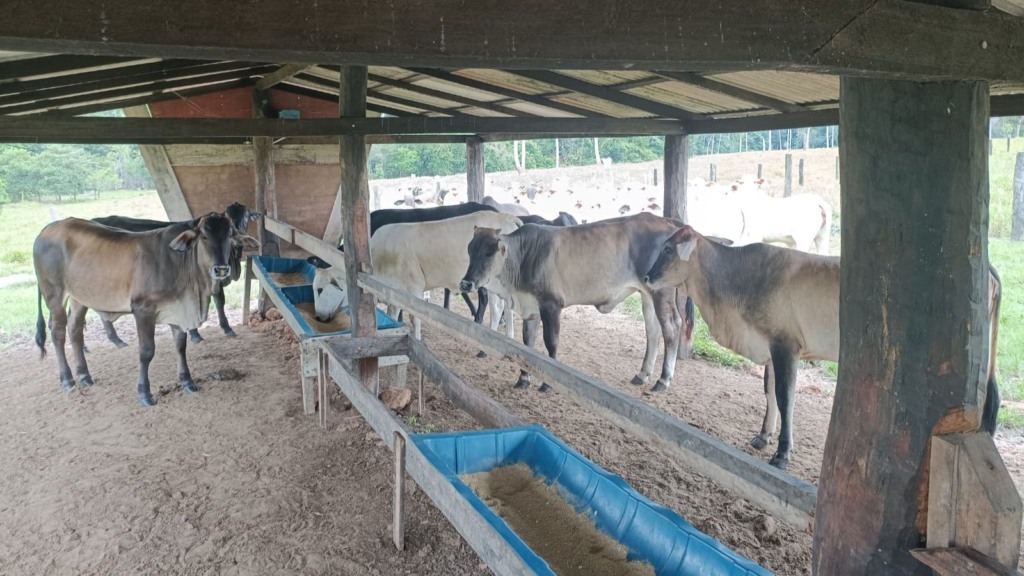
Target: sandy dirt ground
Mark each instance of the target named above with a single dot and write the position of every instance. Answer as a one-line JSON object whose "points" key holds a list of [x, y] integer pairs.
{"points": [[236, 480]]}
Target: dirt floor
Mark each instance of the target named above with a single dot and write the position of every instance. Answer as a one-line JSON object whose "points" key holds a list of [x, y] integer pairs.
{"points": [[237, 480]]}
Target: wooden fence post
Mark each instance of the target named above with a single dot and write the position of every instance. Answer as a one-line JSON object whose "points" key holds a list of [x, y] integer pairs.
{"points": [[1017, 228], [713, 173], [801, 172], [787, 190], [475, 169], [759, 171]]}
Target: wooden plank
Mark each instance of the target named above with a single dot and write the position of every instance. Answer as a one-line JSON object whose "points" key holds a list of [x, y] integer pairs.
{"points": [[540, 100], [381, 95], [898, 382], [972, 500], [475, 170], [280, 75], [763, 122], [351, 109], [1014, 7], [960, 562], [60, 64], [279, 229], [162, 174], [677, 155], [855, 37], [787, 179], [398, 514], [355, 347], [152, 87], [481, 407], [782, 495], [55, 128], [606, 93], [315, 245], [730, 90], [147, 82], [122, 72]]}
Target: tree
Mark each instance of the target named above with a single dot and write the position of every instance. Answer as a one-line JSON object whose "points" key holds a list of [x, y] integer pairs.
{"points": [[4, 197]]}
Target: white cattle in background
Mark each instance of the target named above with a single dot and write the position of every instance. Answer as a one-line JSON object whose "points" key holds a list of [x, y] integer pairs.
{"points": [[803, 221]]}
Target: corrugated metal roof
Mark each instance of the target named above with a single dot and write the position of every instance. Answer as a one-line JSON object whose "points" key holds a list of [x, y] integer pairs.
{"points": [[793, 87]]}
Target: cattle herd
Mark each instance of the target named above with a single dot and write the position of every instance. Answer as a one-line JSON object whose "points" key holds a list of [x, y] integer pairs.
{"points": [[774, 305]]}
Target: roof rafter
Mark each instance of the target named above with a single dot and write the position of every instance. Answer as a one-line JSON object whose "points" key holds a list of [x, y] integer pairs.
{"points": [[281, 74], [46, 65], [606, 93], [445, 95], [539, 100], [730, 90], [17, 86]]}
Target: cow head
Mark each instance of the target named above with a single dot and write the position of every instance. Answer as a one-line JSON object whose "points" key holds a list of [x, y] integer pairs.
{"points": [[241, 216], [487, 253], [673, 263], [212, 237], [330, 289]]}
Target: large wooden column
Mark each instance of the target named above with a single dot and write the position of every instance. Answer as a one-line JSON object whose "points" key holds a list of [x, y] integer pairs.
{"points": [[265, 193], [677, 154], [475, 169], [355, 215], [162, 173], [913, 313]]}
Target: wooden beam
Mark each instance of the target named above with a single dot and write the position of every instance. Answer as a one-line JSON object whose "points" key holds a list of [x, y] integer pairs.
{"points": [[354, 347], [128, 130], [763, 122], [153, 87], [439, 94], [62, 64], [480, 406], [146, 82], [281, 74], [730, 90], [539, 100], [677, 155], [606, 93], [1014, 7], [377, 94], [160, 170], [865, 37], [787, 498], [475, 171], [898, 382]]}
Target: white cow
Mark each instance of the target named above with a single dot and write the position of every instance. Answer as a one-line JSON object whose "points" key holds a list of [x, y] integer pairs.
{"points": [[422, 256], [798, 221]]}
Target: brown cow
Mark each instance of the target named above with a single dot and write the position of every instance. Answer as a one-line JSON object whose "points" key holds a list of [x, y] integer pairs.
{"points": [[540, 270], [774, 304], [164, 276]]}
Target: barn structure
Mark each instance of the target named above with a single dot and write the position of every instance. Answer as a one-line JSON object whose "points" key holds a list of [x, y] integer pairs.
{"points": [[210, 91]]}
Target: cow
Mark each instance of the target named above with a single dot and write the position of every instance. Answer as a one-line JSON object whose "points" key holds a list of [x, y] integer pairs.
{"points": [[330, 289], [539, 270], [799, 221], [513, 209], [563, 219], [240, 217], [426, 255], [164, 276], [775, 306]]}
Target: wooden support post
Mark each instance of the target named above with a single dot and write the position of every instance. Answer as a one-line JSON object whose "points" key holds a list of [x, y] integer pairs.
{"points": [[837, 167], [355, 216], [713, 172], [475, 169], [247, 290], [906, 373], [322, 379], [162, 173], [800, 172], [421, 401], [265, 194], [398, 517], [1017, 226], [759, 171], [676, 158], [787, 189]]}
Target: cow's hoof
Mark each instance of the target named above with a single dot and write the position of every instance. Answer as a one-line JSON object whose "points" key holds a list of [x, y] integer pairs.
{"points": [[637, 381], [544, 388], [85, 381], [659, 387], [85, 349], [67, 385], [120, 343], [196, 338], [759, 442], [146, 400], [779, 461], [481, 354], [189, 387], [230, 333], [522, 383]]}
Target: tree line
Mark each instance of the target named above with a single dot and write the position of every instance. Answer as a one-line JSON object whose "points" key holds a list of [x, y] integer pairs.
{"points": [[60, 172]]}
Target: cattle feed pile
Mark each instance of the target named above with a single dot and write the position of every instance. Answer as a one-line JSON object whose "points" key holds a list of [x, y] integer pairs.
{"points": [[567, 540], [289, 278], [340, 322]]}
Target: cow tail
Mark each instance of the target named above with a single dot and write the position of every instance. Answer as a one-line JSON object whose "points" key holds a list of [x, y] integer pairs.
{"points": [[40, 324], [990, 412]]}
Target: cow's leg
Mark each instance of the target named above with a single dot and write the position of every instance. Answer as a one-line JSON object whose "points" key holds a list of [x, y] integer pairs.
{"points": [[218, 301], [785, 363], [108, 327], [447, 299], [529, 337], [481, 305], [184, 376], [76, 325], [689, 318], [551, 317], [653, 338], [671, 324], [145, 325], [58, 329], [771, 411], [469, 302]]}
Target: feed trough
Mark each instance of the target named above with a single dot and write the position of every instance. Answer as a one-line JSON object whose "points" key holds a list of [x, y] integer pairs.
{"points": [[651, 532]]}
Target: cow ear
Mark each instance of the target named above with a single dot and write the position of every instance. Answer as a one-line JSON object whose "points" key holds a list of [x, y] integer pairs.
{"points": [[254, 216], [182, 241], [686, 248], [502, 248], [248, 242]]}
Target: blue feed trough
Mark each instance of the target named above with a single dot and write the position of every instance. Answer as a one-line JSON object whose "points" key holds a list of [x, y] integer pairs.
{"points": [[651, 532], [271, 265]]}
